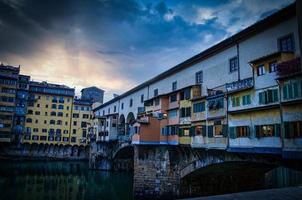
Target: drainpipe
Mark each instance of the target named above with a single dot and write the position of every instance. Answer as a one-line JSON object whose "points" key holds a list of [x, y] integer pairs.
{"points": [[299, 23], [237, 48]]}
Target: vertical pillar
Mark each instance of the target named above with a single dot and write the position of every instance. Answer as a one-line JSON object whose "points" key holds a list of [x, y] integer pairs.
{"points": [[154, 177]]}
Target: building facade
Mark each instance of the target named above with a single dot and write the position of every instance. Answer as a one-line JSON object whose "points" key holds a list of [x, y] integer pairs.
{"points": [[93, 93], [49, 111], [243, 95], [8, 89], [82, 121]]}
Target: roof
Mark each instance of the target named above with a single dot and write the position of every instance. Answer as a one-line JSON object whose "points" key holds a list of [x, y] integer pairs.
{"points": [[49, 85], [280, 16], [85, 102], [93, 87], [9, 68]]}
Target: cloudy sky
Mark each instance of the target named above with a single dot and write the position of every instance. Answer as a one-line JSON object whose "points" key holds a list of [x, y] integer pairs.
{"points": [[116, 44]]}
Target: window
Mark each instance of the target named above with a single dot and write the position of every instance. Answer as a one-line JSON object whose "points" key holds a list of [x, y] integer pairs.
{"points": [[67, 107], [199, 77], [239, 131], [30, 112], [246, 99], [108, 110], [233, 64], [174, 86], [84, 133], [44, 130], [131, 102], [53, 113], [52, 121], [269, 130], [185, 94], [36, 121], [61, 107], [185, 112], [45, 121], [260, 70], [74, 131], [86, 116], [173, 98], [73, 139], [83, 124], [29, 120], [66, 123], [53, 106], [66, 115], [46, 106], [35, 137], [198, 107], [156, 92], [38, 105], [122, 106], [74, 123], [114, 109], [59, 122], [46, 113], [292, 89], [82, 108], [172, 114], [272, 66], [60, 114], [293, 129], [142, 98], [37, 113], [156, 101], [215, 104], [235, 101], [76, 107], [268, 96], [286, 43], [103, 112], [75, 115]]}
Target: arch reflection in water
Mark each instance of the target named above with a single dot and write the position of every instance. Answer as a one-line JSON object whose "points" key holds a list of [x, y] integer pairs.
{"points": [[61, 180]]}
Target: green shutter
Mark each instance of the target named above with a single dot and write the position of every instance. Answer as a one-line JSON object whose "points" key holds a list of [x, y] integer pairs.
{"points": [[180, 132], [277, 130], [275, 95], [232, 132], [225, 130], [290, 91], [257, 131], [286, 130], [204, 130], [262, 97], [285, 90], [269, 94], [233, 102], [192, 131], [296, 89], [248, 99], [210, 131]]}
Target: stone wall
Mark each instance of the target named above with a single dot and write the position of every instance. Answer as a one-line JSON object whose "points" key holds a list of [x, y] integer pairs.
{"points": [[43, 151]]}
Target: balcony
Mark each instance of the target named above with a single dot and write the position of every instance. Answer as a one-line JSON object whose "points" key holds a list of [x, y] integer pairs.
{"points": [[289, 68], [239, 85]]}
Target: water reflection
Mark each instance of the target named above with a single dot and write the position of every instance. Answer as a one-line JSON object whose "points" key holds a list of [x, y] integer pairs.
{"points": [[61, 180]]}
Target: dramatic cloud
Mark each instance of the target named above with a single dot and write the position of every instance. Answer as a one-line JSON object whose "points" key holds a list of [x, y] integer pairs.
{"points": [[116, 44]]}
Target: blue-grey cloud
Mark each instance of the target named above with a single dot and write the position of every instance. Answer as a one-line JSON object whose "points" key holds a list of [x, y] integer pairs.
{"points": [[132, 40]]}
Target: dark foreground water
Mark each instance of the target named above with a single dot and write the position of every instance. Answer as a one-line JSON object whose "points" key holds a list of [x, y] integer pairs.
{"points": [[35, 180], [60, 181]]}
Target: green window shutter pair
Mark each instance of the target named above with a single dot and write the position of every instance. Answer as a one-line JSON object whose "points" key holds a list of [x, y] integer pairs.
{"points": [[269, 94], [225, 130], [277, 130], [232, 132], [210, 131]]}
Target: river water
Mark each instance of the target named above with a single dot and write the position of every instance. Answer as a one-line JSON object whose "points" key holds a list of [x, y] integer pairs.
{"points": [[35, 180]]}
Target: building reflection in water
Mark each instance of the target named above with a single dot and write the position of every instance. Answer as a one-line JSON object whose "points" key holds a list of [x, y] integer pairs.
{"points": [[61, 180]]}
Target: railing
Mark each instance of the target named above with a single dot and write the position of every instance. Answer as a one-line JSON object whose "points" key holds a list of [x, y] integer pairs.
{"points": [[289, 68], [239, 85]]}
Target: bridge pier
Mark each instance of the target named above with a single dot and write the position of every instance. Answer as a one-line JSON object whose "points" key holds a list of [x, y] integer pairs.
{"points": [[155, 175]]}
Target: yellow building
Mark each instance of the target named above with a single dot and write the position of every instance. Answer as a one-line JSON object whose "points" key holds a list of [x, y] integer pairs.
{"points": [[82, 121], [48, 118], [8, 89]]}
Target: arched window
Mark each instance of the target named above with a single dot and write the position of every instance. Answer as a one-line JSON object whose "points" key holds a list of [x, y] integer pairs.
{"points": [[53, 113]]}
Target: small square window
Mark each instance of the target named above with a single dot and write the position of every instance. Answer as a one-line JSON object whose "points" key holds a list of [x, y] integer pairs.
{"points": [[174, 86], [234, 64], [272, 66], [286, 43], [199, 77], [156, 92], [260, 70]]}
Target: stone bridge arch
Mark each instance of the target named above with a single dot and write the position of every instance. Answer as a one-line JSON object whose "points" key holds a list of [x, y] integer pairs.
{"points": [[123, 157]]}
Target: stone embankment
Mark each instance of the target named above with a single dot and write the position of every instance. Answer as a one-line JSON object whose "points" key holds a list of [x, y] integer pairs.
{"points": [[43, 152]]}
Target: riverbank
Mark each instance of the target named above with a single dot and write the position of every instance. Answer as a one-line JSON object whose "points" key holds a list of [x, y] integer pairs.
{"points": [[289, 193], [43, 152]]}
